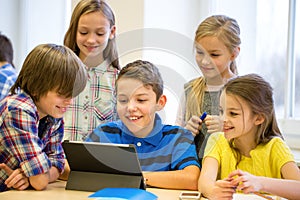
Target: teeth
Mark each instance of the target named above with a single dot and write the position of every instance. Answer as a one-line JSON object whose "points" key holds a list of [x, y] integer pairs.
{"points": [[133, 118]]}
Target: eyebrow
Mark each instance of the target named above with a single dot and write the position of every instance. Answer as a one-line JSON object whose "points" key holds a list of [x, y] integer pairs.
{"points": [[214, 51], [142, 94], [102, 28], [208, 51], [234, 109]]}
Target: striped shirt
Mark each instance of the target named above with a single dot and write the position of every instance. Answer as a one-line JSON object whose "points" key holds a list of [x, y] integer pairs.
{"points": [[165, 148], [93, 106], [8, 77], [25, 141]]}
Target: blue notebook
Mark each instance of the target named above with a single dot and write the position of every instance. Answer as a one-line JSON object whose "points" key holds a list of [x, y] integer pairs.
{"points": [[123, 194]]}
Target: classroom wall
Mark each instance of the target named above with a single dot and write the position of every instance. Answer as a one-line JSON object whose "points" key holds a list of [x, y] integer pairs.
{"points": [[155, 30], [32, 22], [10, 25]]}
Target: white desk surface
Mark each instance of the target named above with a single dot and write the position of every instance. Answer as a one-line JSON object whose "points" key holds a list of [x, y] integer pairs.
{"points": [[57, 191]]}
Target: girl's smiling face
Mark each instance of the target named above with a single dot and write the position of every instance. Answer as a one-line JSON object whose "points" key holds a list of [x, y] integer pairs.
{"points": [[239, 120], [93, 33], [137, 105], [213, 57], [53, 104]]}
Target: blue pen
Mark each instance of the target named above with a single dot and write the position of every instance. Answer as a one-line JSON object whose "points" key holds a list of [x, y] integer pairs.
{"points": [[203, 116]]}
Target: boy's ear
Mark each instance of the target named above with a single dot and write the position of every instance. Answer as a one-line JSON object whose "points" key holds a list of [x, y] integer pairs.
{"points": [[161, 102], [259, 119]]}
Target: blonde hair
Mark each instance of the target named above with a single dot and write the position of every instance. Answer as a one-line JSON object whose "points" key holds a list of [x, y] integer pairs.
{"points": [[225, 29], [110, 53], [51, 67]]}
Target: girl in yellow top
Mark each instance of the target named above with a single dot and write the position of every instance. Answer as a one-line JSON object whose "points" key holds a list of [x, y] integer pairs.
{"points": [[250, 154]]}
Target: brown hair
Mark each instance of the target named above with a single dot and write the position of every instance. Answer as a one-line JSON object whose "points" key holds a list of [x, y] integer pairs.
{"points": [[51, 67], [258, 93], [146, 72], [88, 6]]}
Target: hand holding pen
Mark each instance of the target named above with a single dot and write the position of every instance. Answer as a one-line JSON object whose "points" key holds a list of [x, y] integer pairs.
{"points": [[195, 123], [203, 116]]}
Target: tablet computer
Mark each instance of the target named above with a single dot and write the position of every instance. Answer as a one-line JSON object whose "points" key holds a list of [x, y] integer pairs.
{"points": [[95, 166]]}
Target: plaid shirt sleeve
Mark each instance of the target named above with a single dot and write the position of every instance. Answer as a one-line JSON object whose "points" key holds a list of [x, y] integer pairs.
{"points": [[22, 140], [22, 145], [52, 140]]}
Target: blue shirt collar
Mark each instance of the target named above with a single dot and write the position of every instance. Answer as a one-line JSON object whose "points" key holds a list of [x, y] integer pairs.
{"points": [[153, 138]]}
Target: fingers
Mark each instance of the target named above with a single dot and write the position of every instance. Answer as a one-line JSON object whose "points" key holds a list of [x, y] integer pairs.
{"points": [[245, 181], [16, 178], [225, 183], [193, 124], [236, 173], [224, 189], [213, 128], [213, 123], [19, 182], [7, 169], [24, 186], [237, 176]]}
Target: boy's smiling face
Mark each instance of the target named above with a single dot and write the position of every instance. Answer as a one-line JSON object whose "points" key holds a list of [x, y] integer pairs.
{"points": [[53, 104], [137, 105]]}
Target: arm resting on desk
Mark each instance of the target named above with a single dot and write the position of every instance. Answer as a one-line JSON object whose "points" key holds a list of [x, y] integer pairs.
{"points": [[282, 187], [208, 184], [65, 175], [40, 182], [287, 187], [179, 179]]}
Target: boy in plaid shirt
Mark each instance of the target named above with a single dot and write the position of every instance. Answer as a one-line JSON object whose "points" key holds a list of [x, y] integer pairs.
{"points": [[31, 124]]}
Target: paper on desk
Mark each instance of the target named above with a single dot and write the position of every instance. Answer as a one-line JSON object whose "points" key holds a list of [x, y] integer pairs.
{"points": [[123, 194], [241, 196]]}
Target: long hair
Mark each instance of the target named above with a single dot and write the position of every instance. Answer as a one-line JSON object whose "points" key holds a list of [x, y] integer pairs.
{"points": [[88, 6], [225, 29], [258, 94]]}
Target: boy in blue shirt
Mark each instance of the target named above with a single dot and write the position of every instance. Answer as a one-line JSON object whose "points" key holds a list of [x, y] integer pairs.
{"points": [[167, 153], [8, 74]]}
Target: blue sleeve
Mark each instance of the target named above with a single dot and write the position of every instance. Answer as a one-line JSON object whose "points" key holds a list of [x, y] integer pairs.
{"points": [[105, 133], [185, 153]]}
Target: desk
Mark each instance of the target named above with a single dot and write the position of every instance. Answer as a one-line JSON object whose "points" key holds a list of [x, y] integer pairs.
{"points": [[56, 191]]}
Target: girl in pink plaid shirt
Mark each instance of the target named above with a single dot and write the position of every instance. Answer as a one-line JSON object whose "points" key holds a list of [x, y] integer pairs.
{"points": [[91, 35]]}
